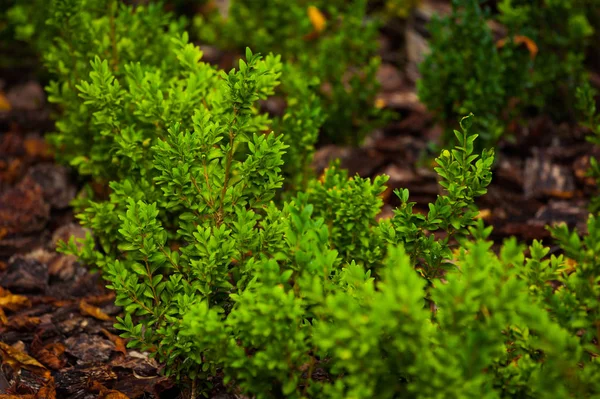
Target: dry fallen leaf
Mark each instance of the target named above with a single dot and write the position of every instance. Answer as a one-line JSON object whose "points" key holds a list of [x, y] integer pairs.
{"points": [[106, 393], [48, 391], [12, 302], [569, 266], [37, 148], [118, 341], [20, 322], [317, 19], [99, 299], [484, 214], [17, 360], [114, 395], [4, 104], [89, 310], [519, 39], [50, 355]]}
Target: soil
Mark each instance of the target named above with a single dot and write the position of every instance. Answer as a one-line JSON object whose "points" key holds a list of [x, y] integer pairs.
{"points": [[56, 316]]}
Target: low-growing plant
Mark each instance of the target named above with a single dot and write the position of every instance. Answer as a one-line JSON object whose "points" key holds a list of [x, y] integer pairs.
{"points": [[464, 71], [113, 110], [590, 119], [536, 68], [309, 296], [269, 298], [235, 284], [333, 41], [558, 33]]}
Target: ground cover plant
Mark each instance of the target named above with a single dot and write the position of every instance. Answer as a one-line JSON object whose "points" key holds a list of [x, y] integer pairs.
{"points": [[75, 32], [233, 265], [535, 69], [328, 41]]}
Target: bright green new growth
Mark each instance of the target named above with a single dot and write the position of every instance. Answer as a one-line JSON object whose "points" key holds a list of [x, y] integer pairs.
{"points": [[241, 286], [464, 176], [137, 89], [341, 54]]}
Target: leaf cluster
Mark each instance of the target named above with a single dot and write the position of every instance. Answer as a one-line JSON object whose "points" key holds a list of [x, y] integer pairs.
{"points": [[270, 294], [536, 68], [333, 42]]}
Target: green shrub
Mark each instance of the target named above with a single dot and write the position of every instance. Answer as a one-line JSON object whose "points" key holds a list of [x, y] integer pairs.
{"points": [[332, 41], [309, 296], [535, 69], [121, 36], [586, 105], [561, 32], [252, 286], [270, 298], [113, 111], [464, 71]]}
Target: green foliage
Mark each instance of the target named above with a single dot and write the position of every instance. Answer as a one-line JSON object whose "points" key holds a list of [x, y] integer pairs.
{"points": [[214, 278], [576, 304], [350, 207], [103, 31], [194, 176], [464, 71], [465, 176], [399, 8], [116, 107], [586, 105], [331, 41], [23, 33], [21, 20], [536, 68], [306, 294], [229, 282], [301, 124], [561, 32]]}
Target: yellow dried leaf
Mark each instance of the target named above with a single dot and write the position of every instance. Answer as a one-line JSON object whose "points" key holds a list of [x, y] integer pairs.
{"points": [[17, 360], [317, 19], [89, 310], [4, 104], [105, 393], [37, 148], [12, 302], [569, 266], [520, 39], [484, 214], [48, 391], [115, 395], [23, 322]]}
